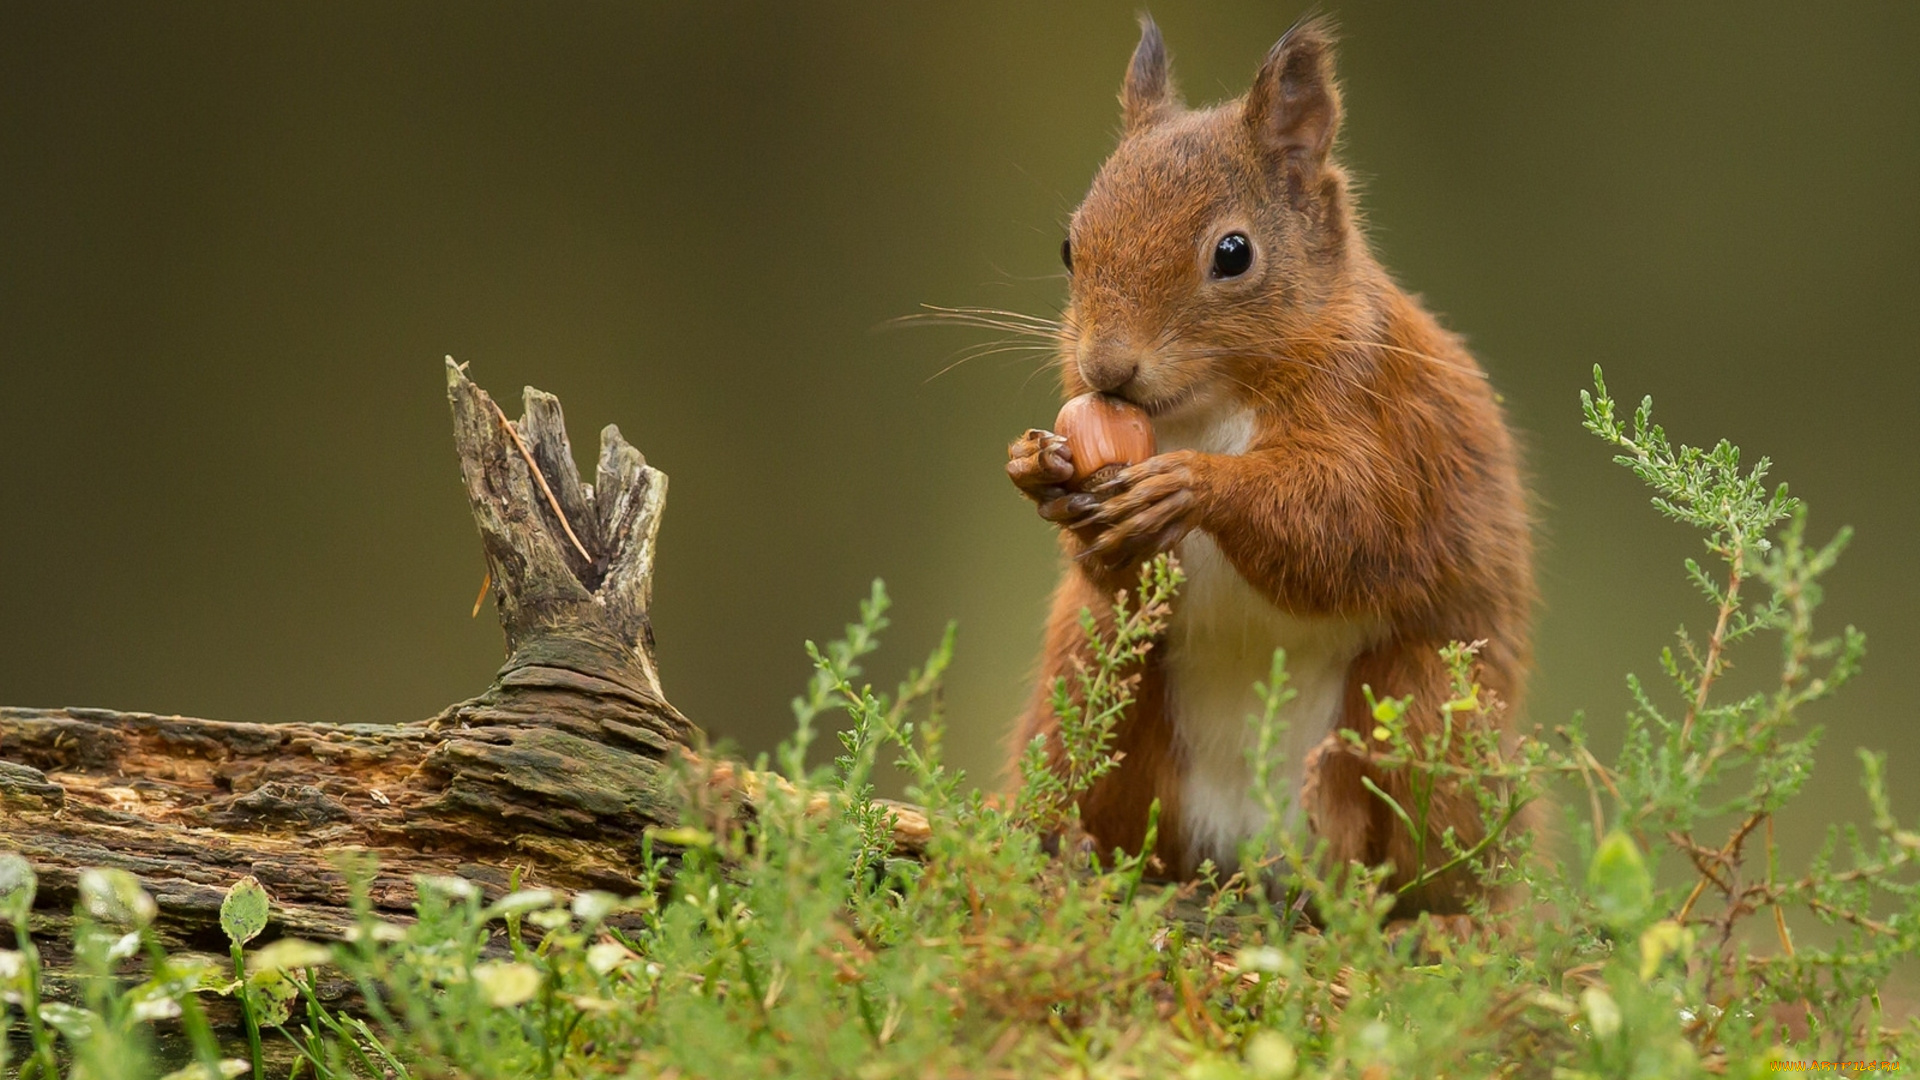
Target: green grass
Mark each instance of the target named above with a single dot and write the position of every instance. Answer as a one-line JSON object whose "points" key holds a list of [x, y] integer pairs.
{"points": [[793, 941]]}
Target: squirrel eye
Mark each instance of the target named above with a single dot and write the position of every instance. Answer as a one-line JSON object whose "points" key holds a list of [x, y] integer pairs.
{"points": [[1066, 254], [1232, 255]]}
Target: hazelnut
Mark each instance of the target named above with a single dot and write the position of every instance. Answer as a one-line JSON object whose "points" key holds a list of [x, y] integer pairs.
{"points": [[1105, 434]]}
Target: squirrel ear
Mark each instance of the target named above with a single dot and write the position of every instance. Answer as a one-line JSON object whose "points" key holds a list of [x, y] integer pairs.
{"points": [[1293, 109], [1147, 94]]}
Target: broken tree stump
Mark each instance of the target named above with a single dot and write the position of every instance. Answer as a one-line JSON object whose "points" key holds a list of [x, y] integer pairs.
{"points": [[556, 771]]}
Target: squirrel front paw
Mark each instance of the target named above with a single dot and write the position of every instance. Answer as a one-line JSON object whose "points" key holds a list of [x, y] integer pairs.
{"points": [[1146, 509], [1041, 466]]}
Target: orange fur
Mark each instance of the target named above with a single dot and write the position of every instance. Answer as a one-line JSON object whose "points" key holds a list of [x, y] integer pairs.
{"points": [[1377, 489]]}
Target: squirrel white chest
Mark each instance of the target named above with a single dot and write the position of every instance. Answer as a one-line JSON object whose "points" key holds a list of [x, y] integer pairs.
{"points": [[1220, 641]]}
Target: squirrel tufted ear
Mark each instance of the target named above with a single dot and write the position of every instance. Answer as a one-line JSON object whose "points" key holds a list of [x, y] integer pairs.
{"points": [[1293, 109], [1147, 94]]}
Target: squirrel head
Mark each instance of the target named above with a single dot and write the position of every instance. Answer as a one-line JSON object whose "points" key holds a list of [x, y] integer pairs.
{"points": [[1211, 237]]}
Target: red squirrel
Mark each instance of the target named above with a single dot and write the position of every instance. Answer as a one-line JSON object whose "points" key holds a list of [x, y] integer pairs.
{"points": [[1334, 474]]}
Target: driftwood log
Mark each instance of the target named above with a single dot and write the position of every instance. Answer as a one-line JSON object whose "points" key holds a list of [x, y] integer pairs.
{"points": [[555, 771]]}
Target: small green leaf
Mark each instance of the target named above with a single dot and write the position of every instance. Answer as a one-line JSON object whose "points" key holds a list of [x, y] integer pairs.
{"points": [[183, 975], [17, 885], [550, 918], [243, 914], [593, 905], [1603, 1013], [1663, 939], [505, 985], [1622, 887], [115, 897], [289, 953], [272, 995], [521, 902], [685, 836], [376, 930], [450, 889], [607, 955], [123, 947], [155, 1007], [1270, 1056], [77, 1025], [1265, 958]]}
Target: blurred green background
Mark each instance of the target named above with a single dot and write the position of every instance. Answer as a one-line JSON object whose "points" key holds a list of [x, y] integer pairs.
{"points": [[236, 240]]}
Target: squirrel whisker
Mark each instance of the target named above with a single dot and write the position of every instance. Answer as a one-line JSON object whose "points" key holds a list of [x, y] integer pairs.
{"points": [[992, 348]]}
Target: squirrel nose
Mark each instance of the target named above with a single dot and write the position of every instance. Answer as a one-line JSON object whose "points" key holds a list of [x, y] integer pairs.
{"points": [[1107, 369]]}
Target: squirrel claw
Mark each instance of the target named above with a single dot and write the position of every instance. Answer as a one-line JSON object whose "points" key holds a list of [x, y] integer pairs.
{"points": [[1068, 508], [1040, 464], [1144, 510]]}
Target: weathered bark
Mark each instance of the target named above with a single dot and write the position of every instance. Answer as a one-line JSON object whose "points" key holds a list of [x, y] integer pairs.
{"points": [[555, 771]]}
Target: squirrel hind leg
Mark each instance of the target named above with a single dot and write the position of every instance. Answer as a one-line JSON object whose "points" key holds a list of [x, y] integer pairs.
{"points": [[1357, 823], [1114, 811]]}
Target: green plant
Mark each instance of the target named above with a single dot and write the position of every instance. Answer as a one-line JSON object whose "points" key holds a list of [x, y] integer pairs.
{"points": [[797, 941], [1092, 702]]}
